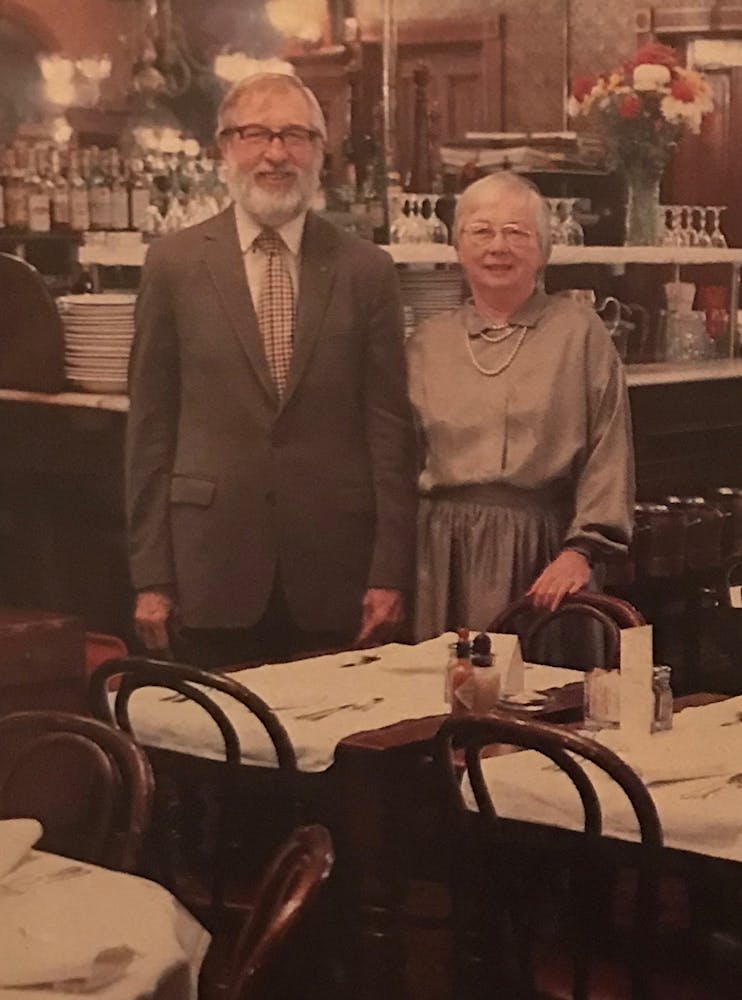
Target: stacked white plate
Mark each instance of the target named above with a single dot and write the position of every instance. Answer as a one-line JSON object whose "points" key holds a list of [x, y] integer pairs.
{"points": [[98, 331], [430, 290]]}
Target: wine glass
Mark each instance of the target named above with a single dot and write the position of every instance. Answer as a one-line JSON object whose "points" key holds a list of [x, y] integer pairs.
{"points": [[684, 230], [573, 234], [703, 237], [557, 235], [671, 235], [718, 239], [410, 228]]}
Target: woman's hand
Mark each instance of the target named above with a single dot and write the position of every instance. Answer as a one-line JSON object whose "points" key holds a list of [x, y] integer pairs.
{"points": [[566, 574]]}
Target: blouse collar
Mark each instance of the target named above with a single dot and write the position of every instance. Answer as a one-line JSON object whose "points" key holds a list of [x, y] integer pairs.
{"points": [[527, 314]]}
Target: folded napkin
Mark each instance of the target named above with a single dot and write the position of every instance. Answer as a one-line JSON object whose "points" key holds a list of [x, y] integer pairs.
{"points": [[17, 837], [67, 966]]}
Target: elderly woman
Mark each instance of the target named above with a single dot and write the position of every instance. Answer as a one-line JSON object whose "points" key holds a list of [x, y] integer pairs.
{"points": [[528, 475]]}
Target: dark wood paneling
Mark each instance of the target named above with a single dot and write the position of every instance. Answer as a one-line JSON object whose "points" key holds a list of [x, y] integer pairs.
{"points": [[688, 437]]}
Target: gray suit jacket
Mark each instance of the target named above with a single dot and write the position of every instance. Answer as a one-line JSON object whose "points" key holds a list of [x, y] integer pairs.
{"points": [[225, 484]]}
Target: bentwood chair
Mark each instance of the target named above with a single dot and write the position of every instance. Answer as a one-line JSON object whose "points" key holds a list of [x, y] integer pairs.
{"points": [[31, 333], [503, 945], [90, 786], [213, 828], [583, 632], [258, 969]]}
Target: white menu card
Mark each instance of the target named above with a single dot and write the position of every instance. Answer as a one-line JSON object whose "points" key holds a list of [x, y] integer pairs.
{"points": [[508, 662], [637, 697]]}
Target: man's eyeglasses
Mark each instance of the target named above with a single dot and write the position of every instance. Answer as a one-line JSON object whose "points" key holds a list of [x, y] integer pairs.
{"points": [[481, 235], [295, 138]]}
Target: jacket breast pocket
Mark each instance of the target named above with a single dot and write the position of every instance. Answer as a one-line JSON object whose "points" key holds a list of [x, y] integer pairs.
{"points": [[192, 490]]}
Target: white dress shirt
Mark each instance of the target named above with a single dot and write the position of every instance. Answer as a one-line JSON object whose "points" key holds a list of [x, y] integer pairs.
{"points": [[256, 261]]}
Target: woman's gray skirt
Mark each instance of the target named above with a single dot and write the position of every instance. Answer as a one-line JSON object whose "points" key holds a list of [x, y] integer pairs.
{"points": [[479, 548]]}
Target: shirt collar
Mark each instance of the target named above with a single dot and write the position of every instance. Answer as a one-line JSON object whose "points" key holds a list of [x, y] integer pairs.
{"points": [[248, 229], [527, 314]]}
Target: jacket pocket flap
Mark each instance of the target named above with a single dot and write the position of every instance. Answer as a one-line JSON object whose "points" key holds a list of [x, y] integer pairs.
{"points": [[189, 489]]}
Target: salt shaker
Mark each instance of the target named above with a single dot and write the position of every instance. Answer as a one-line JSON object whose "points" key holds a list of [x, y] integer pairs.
{"points": [[663, 704]]}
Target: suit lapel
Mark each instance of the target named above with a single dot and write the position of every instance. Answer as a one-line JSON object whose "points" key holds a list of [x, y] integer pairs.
{"points": [[318, 264], [227, 269]]}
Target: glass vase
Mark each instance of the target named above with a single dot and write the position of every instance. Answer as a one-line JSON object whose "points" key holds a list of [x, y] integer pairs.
{"points": [[642, 205]]}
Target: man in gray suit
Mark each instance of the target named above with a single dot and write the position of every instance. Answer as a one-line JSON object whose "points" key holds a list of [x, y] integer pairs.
{"points": [[270, 445]]}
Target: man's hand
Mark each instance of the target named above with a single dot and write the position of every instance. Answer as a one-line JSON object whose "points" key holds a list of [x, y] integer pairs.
{"points": [[383, 613], [153, 612], [566, 574]]}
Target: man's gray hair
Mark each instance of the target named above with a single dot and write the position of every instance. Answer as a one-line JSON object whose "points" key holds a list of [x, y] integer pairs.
{"points": [[268, 83], [494, 186]]}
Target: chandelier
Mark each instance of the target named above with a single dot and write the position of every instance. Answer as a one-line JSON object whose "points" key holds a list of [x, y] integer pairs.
{"points": [[166, 64]]}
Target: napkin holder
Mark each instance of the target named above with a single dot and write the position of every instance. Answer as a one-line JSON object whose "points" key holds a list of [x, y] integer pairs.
{"points": [[42, 661]]}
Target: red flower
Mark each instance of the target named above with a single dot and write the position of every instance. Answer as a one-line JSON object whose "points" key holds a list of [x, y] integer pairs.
{"points": [[681, 90], [654, 52], [629, 106], [581, 87]]}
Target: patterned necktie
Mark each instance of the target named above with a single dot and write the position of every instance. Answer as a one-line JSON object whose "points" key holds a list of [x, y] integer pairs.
{"points": [[276, 308]]}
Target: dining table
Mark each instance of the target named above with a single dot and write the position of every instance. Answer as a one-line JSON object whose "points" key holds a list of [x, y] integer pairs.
{"points": [[362, 725], [69, 928], [693, 772]]}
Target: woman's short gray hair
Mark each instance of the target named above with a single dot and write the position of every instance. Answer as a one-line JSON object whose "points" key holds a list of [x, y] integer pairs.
{"points": [[494, 186], [268, 83]]}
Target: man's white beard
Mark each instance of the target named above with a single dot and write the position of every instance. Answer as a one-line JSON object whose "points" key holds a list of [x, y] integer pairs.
{"points": [[272, 208]]}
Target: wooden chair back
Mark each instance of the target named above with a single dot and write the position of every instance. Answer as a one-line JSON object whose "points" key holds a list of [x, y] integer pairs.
{"points": [[201, 883], [286, 892], [32, 335], [576, 644], [90, 786], [498, 857]]}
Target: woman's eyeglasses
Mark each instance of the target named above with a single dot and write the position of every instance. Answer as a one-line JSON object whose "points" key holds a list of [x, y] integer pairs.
{"points": [[481, 235], [295, 138]]}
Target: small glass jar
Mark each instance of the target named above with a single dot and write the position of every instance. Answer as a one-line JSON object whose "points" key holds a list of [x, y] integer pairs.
{"points": [[663, 702], [602, 699]]}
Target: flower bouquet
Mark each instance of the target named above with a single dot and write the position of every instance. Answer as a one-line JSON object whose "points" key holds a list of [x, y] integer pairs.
{"points": [[643, 109]]}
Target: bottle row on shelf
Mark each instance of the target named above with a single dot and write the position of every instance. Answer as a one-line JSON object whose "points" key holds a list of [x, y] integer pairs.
{"points": [[46, 188]]}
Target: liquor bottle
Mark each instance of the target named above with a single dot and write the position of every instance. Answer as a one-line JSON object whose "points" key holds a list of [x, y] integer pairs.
{"points": [[79, 202], [119, 194], [14, 194], [37, 196], [139, 195], [60, 195], [99, 190]]}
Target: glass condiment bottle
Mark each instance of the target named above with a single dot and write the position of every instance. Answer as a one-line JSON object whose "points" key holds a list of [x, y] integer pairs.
{"points": [[459, 669], [663, 701]]}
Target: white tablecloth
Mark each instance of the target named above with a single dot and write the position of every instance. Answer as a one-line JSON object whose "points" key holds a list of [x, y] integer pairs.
{"points": [[405, 682], [70, 923], [687, 771]]}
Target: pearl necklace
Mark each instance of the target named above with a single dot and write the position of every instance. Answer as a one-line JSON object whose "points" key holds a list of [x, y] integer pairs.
{"points": [[507, 327], [508, 361]]}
